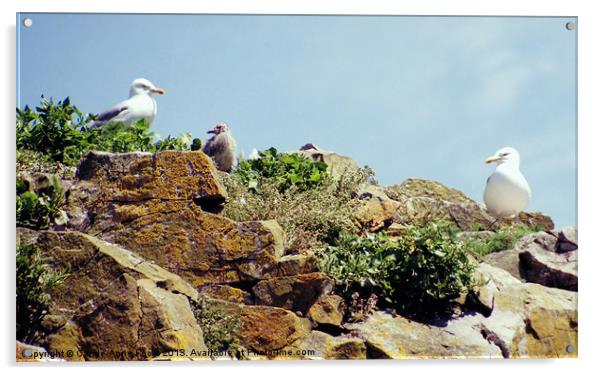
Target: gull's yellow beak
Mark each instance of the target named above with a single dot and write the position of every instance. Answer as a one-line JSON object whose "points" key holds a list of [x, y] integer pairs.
{"points": [[492, 159], [158, 90]]}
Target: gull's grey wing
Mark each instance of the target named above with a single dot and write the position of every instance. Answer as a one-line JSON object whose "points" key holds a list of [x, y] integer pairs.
{"points": [[111, 113]]}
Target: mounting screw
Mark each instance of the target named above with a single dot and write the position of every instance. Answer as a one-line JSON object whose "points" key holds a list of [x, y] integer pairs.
{"points": [[570, 26], [27, 22]]}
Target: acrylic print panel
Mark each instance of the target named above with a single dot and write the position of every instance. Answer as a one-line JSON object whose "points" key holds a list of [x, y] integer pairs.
{"points": [[202, 187]]}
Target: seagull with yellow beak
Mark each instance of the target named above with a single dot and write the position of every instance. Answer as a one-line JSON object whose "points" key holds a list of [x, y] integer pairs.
{"points": [[140, 105], [507, 191]]}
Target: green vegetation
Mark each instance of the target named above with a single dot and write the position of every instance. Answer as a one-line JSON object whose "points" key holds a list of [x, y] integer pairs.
{"points": [[38, 212], [423, 270], [218, 326], [32, 161], [61, 133], [35, 280], [502, 239], [311, 218], [284, 171]]}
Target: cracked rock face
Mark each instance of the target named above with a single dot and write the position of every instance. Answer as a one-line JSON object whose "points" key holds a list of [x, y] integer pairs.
{"points": [[546, 258], [549, 259], [525, 319], [112, 300], [162, 206], [264, 329], [295, 293], [400, 338]]}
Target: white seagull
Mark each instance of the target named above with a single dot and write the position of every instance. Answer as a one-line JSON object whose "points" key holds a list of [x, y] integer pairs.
{"points": [[140, 105], [507, 191]]}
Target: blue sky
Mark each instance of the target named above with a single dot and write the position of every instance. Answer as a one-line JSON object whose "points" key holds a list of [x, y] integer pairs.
{"points": [[426, 97]]}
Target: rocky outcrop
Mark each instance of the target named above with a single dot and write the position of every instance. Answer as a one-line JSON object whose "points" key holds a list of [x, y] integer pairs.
{"points": [[513, 319], [549, 259], [227, 293], [534, 321], [329, 309], [526, 320], [491, 281], [429, 200], [295, 293], [145, 244], [400, 338], [321, 345], [338, 165], [114, 305], [294, 264], [376, 210], [546, 258], [265, 330], [160, 206]]}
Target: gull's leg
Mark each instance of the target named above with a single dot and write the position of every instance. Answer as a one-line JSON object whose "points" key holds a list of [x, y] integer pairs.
{"points": [[492, 224]]}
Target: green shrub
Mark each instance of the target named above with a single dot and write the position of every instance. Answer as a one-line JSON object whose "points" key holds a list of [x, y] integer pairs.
{"points": [[218, 326], [35, 280], [310, 217], [53, 130], [60, 133], [196, 145], [286, 170], [38, 212], [502, 239], [423, 270]]}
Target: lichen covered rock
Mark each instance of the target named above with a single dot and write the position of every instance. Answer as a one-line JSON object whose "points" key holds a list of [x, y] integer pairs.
{"points": [[328, 309], [161, 207], [114, 305], [376, 209], [430, 200], [264, 330], [400, 338], [320, 345], [534, 321], [227, 293], [295, 293]]}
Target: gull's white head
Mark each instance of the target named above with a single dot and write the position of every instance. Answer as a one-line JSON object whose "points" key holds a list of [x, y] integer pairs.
{"points": [[506, 155], [144, 86]]}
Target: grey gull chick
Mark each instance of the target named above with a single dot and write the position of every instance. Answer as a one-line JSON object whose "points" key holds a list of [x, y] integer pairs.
{"points": [[221, 147]]}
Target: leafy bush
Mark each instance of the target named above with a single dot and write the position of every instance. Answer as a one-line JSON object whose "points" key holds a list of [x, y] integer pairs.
{"points": [[38, 212], [502, 239], [62, 134], [286, 170], [196, 145], [421, 271], [310, 217], [53, 130], [218, 326], [34, 282]]}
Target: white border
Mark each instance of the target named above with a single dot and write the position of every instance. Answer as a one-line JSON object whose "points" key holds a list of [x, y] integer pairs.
{"points": [[590, 101]]}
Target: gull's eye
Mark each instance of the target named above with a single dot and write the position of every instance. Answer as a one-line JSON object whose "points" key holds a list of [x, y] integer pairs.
{"points": [[505, 154]]}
